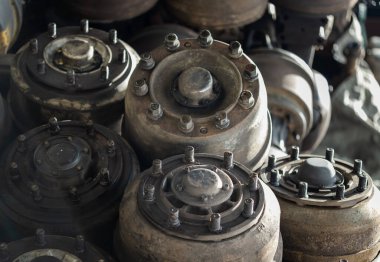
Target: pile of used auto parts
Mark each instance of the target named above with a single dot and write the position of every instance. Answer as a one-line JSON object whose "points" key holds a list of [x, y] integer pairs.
{"points": [[171, 130]]}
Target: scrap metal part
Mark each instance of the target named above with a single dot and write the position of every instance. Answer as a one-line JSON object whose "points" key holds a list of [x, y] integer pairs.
{"points": [[217, 14], [51, 248], [198, 92], [10, 23], [76, 73], [67, 177], [298, 98], [105, 10], [198, 207], [325, 202], [317, 7]]}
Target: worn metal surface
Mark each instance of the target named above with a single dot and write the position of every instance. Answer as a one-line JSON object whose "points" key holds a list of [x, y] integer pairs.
{"points": [[217, 14], [67, 177], [325, 202], [217, 211], [230, 115], [373, 56], [298, 98], [5, 122], [152, 37], [10, 23], [76, 73], [318, 7], [106, 10], [52, 248]]}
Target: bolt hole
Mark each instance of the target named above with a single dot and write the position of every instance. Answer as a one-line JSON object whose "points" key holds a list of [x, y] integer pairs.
{"points": [[203, 130], [187, 44]]}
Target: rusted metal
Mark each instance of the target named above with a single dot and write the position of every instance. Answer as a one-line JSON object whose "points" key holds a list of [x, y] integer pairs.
{"points": [[67, 177], [298, 99], [325, 202], [44, 247], [318, 7], [212, 105], [217, 14], [76, 73], [10, 23], [198, 207], [106, 10]]}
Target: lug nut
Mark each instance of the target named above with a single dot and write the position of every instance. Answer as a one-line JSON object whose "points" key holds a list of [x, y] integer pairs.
{"points": [[362, 183], [36, 192], [112, 36], [186, 124], [205, 38], [303, 190], [122, 55], [141, 87], [74, 196], [80, 244], [215, 222], [171, 42], [53, 126], [330, 154], [104, 177], [111, 147], [104, 73], [149, 192], [228, 160], [33, 46], [15, 174], [41, 66], [358, 166], [254, 182], [174, 217], [40, 237], [90, 128], [246, 99], [4, 252], [248, 207], [271, 163], [340, 190], [21, 143], [222, 120], [250, 72], [155, 111], [189, 154], [84, 26], [52, 30], [156, 167], [295, 153], [147, 62], [70, 77], [235, 49], [275, 177]]}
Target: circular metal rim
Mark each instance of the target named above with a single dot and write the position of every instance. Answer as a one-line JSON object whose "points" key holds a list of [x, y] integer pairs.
{"points": [[329, 202], [212, 237]]}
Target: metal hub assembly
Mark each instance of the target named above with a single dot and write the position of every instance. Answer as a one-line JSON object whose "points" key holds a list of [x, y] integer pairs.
{"points": [[198, 92], [105, 10], [319, 7], [199, 202], [51, 248], [76, 73], [67, 177], [323, 201], [298, 99], [10, 23], [217, 14]]}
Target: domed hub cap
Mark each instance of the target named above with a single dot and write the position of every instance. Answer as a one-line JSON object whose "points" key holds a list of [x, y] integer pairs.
{"points": [[196, 87], [202, 185], [77, 53], [319, 173], [317, 181], [63, 156]]}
